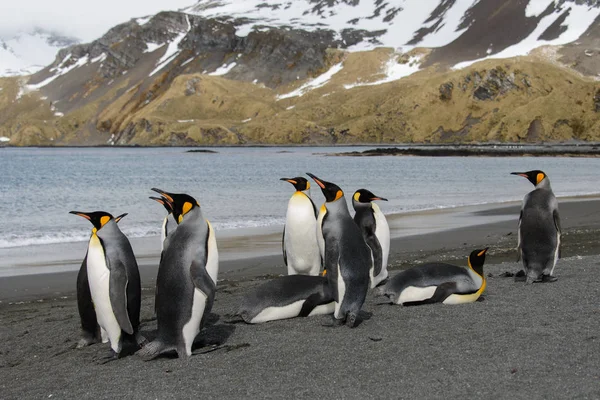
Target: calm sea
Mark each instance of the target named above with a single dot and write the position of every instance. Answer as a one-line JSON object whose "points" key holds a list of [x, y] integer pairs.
{"points": [[240, 187]]}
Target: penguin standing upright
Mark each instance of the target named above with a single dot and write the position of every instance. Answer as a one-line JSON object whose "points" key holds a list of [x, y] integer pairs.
{"points": [[114, 280], [90, 330], [186, 281], [375, 230], [169, 224], [347, 259], [539, 229], [299, 243], [438, 283]]}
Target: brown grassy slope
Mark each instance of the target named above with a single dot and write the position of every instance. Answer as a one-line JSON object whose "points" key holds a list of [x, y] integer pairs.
{"points": [[521, 99]]}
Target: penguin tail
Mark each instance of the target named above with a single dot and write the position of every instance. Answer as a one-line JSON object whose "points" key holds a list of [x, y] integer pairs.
{"points": [[153, 350]]}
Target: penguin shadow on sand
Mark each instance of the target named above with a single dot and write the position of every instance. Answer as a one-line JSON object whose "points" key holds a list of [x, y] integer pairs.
{"points": [[214, 336]]}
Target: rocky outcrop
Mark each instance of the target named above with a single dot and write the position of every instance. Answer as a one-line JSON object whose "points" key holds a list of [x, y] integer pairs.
{"points": [[495, 83]]}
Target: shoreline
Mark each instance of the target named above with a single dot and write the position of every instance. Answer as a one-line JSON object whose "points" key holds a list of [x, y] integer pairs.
{"points": [[429, 235]]}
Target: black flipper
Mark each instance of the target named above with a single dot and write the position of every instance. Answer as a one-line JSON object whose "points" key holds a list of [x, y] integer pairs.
{"points": [[519, 234], [441, 293], [314, 300], [118, 295], [85, 306], [283, 247]]}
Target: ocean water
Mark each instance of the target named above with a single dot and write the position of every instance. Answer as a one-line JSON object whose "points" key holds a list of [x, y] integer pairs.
{"points": [[240, 187]]}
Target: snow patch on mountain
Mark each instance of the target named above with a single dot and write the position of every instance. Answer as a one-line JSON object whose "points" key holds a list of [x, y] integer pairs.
{"points": [[580, 17], [315, 83], [28, 52], [173, 49], [393, 71]]}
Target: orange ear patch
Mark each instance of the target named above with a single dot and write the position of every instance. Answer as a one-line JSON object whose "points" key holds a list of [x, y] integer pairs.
{"points": [[338, 195], [356, 196], [104, 220], [539, 178], [187, 206]]}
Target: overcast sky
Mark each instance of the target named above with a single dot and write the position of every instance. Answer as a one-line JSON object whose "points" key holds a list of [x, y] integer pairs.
{"points": [[84, 19]]}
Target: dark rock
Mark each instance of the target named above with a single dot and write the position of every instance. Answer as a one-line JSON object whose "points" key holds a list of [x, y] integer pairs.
{"points": [[446, 91], [535, 130], [597, 100], [496, 83]]}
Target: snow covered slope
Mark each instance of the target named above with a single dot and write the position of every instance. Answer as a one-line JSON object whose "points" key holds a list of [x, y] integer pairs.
{"points": [[28, 52]]}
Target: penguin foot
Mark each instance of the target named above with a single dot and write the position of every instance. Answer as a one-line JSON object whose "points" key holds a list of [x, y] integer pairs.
{"points": [[332, 322], [549, 278], [352, 320], [520, 276], [140, 339], [86, 340], [153, 350]]}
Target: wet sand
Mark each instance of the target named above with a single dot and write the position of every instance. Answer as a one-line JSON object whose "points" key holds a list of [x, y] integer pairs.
{"points": [[539, 341]]}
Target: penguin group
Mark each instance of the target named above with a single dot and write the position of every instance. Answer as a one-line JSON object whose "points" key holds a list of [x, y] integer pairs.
{"points": [[333, 259]]}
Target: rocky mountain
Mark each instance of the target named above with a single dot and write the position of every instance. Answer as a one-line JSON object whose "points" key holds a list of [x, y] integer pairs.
{"points": [[321, 71]]}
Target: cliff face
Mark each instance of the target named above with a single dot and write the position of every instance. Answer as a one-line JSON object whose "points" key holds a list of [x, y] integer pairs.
{"points": [[185, 79]]}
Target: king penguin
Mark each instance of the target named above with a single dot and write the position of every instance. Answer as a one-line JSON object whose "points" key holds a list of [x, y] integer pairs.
{"points": [[375, 230], [347, 258], [299, 243], [539, 229], [287, 297], [90, 330], [114, 280], [169, 224], [438, 283], [186, 281]]}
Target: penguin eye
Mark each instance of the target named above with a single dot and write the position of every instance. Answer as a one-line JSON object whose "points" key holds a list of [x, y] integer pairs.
{"points": [[104, 220], [539, 178], [187, 206]]}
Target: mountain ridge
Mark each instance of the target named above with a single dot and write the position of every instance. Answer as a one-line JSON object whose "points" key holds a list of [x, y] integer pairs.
{"points": [[179, 78]]}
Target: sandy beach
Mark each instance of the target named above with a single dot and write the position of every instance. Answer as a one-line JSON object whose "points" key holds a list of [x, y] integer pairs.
{"points": [[540, 341]]}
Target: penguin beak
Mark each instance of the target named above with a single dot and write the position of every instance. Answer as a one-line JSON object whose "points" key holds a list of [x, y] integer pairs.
{"points": [[317, 180], [520, 174], [120, 217], [81, 214], [293, 182], [164, 194], [378, 198], [482, 252]]}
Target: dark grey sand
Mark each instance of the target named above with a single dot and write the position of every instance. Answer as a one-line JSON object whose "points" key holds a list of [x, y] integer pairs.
{"points": [[539, 341]]}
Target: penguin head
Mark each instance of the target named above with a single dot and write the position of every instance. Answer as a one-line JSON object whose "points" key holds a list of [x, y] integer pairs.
{"points": [[162, 200], [331, 191], [300, 183], [181, 203], [536, 176], [98, 218], [476, 260], [365, 196]]}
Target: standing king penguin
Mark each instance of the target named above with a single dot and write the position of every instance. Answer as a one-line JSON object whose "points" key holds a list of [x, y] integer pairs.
{"points": [[186, 281], [299, 243], [375, 230], [90, 330], [347, 258], [539, 229], [114, 281], [438, 283]]}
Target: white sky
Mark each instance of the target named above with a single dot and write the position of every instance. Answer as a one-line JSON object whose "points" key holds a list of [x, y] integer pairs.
{"points": [[85, 19]]}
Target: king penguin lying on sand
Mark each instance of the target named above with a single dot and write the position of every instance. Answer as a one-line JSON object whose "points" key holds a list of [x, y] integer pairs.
{"points": [[438, 283]]}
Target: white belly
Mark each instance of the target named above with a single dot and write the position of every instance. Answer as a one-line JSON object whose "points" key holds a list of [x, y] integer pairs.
{"points": [[320, 238], [192, 328], [382, 231], [341, 287], [290, 311], [461, 298], [99, 280], [414, 293], [212, 258], [302, 249]]}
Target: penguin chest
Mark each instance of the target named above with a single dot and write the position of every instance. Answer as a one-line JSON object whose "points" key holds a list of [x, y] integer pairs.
{"points": [[99, 281], [382, 231], [301, 235]]}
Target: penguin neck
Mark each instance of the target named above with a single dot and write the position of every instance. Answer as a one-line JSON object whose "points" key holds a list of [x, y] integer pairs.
{"points": [[358, 206], [478, 269], [338, 206], [110, 229], [544, 184], [191, 216]]}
